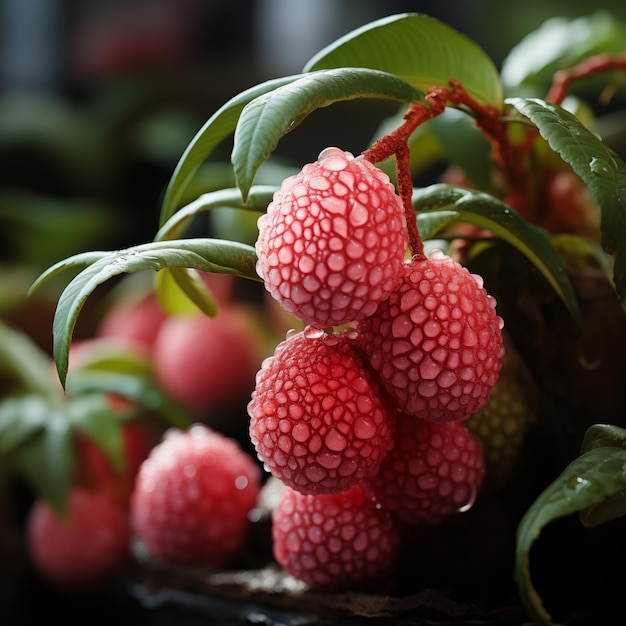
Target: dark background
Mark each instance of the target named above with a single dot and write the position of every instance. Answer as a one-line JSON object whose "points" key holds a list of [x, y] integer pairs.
{"points": [[98, 100]]}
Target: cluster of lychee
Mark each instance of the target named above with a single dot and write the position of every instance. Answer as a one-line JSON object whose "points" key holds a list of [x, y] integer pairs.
{"points": [[362, 415]]}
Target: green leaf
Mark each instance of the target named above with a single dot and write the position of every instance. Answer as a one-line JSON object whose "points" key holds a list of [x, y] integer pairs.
{"points": [[486, 211], [77, 260], [601, 169], [267, 118], [47, 462], [601, 436], [108, 356], [598, 474], [21, 419], [24, 362], [258, 199], [463, 146], [419, 49], [214, 131], [430, 225], [93, 415], [141, 390], [211, 255], [180, 290], [558, 43]]}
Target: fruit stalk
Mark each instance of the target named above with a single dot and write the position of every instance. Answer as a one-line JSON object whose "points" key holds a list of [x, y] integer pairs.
{"points": [[597, 64], [396, 144]]}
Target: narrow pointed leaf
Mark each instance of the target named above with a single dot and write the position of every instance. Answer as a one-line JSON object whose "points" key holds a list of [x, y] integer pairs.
{"points": [[141, 390], [221, 124], [420, 49], [601, 169], [211, 255], [558, 43], [267, 118], [93, 415], [21, 419], [47, 462], [78, 260], [258, 199], [180, 291], [589, 480], [24, 362], [602, 436], [488, 212]]}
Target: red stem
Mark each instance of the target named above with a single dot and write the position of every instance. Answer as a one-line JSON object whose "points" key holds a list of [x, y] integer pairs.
{"points": [[589, 67], [396, 144]]}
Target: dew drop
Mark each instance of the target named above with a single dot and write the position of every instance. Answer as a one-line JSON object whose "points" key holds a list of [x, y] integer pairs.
{"points": [[310, 332], [292, 332], [241, 482], [190, 470], [466, 495], [600, 167], [334, 159], [577, 483]]}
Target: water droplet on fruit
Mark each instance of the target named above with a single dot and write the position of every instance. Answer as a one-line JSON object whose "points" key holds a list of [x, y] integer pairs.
{"points": [[310, 332], [291, 333], [469, 499], [241, 482], [190, 470], [436, 253]]}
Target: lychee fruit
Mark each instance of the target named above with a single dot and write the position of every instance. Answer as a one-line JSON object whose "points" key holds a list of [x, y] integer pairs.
{"points": [[333, 240], [318, 418], [192, 497], [436, 342]]}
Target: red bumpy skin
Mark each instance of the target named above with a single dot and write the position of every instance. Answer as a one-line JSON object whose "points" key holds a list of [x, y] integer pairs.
{"points": [[334, 542], [317, 416], [436, 342], [84, 550], [434, 472], [192, 497], [333, 240]]}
